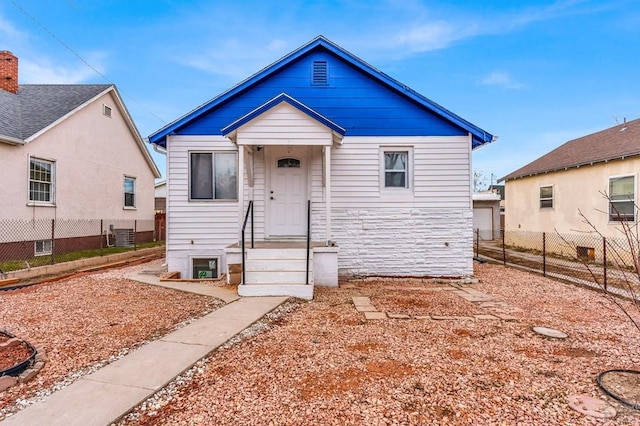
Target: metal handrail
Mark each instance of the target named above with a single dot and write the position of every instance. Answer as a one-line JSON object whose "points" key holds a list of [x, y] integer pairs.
{"points": [[244, 226], [308, 237]]}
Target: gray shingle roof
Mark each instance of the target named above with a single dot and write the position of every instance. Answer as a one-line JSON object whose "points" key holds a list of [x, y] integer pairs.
{"points": [[36, 106], [609, 144]]}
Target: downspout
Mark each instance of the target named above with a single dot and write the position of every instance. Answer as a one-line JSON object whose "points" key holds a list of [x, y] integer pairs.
{"points": [[159, 149]]}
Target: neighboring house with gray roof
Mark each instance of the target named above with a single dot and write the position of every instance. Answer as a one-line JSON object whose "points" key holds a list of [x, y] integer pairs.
{"points": [[70, 152], [547, 194]]}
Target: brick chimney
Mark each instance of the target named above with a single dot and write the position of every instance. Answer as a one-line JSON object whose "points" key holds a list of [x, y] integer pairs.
{"points": [[8, 72]]}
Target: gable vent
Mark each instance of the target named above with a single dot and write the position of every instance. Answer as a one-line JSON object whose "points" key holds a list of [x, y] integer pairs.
{"points": [[320, 73], [106, 110]]}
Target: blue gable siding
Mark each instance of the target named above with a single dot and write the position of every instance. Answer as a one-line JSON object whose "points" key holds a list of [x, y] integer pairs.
{"points": [[352, 99]]}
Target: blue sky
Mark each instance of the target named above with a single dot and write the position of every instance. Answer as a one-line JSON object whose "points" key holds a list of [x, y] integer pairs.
{"points": [[534, 73]]}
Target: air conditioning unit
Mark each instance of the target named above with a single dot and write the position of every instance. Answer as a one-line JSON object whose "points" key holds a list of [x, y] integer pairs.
{"points": [[123, 237]]}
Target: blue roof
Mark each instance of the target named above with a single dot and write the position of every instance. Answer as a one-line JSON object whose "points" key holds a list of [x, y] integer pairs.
{"points": [[363, 101]]}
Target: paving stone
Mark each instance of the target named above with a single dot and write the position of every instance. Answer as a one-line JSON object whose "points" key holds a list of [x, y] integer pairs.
{"points": [[443, 317], [399, 316], [485, 317], [361, 300], [366, 308], [375, 315], [550, 332], [590, 406], [506, 317], [423, 317]]}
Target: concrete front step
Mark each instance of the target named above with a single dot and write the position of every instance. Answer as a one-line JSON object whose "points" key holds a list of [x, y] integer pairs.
{"points": [[277, 277], [278, 264], [302, 291], [281, 253]]}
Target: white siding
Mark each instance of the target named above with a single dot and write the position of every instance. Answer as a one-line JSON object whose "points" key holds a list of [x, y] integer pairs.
{"points": [[284, 125], [441, 173], [426, 231], [195, 228]]}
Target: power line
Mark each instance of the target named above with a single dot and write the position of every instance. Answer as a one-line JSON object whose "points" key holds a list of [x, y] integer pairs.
{"points": [[70, 49]]}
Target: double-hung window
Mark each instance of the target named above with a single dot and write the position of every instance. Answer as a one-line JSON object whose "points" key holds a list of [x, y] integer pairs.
{"points": [[622, 200], [396, 168], [41, 181], [129, 192], [213, 176], [546, 197]]}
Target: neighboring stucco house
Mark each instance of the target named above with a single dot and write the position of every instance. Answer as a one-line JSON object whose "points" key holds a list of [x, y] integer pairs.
{"points": [[548, 194], [386, 172], [70, 152]]}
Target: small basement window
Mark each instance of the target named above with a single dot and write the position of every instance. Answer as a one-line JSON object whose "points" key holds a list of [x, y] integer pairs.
{"points": [[42, 247], [587, 253], [205, 268]]}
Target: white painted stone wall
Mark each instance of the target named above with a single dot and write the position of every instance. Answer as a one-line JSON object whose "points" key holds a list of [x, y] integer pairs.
{"points": [[404, 242]]}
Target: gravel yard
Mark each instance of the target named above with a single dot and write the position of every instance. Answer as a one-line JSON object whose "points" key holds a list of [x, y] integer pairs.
{"points": [[321, 362], [87, 321]]}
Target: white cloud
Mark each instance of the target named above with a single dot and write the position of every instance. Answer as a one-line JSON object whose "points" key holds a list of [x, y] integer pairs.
{"points": [[502, 79], [46, 71], [436, 33]]}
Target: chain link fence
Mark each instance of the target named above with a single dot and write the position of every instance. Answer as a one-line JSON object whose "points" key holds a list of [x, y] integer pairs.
{"points": [[25, 244], [606, 262]]}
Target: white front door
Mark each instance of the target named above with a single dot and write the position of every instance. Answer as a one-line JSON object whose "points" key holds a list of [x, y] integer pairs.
{"points": [[287, 191]]}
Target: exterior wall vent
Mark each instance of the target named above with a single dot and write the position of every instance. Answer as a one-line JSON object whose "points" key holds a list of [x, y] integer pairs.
{"points": [[106, 110], [320, 73]]}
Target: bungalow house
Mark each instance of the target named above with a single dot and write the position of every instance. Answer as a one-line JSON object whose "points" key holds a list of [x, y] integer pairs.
{"points": [[319, 147], [69, 153], [596, 175]]}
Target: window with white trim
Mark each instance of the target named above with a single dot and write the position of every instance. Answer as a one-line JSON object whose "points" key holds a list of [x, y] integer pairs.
{"points": [[622, 200], [129, 192], [41, 181], [213, 175], [396, 168], [546, 197]]}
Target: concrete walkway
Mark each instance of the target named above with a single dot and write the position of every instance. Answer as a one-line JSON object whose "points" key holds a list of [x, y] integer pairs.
{"points": [[104, 396]]}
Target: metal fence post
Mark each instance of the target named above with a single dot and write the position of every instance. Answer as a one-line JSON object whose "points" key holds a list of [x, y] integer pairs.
{"points": [[544, 254], [53, 240], [135, 231], [101, 239], [604, 262], [504, 250]]}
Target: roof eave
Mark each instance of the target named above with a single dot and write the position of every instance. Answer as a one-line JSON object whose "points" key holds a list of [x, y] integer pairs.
{"points": [[11, 140], [567, 167]]}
